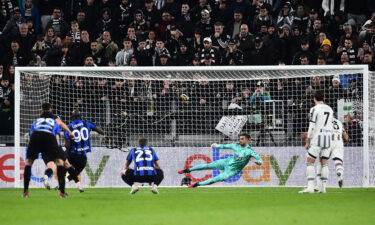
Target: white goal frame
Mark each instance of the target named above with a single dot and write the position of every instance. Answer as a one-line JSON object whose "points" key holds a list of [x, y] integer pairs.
{"points": [[313, 68]]}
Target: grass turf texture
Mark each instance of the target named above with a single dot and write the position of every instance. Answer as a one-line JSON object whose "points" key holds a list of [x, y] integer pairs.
{"points": [[180, 206]]}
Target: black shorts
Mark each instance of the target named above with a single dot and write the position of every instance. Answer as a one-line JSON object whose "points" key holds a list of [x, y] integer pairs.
{"points": [[78, 161], [61, 155], [45, 143], [129, 177]]}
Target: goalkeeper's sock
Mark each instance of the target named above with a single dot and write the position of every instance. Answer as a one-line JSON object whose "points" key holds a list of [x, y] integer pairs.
{"points": [[48, 172], [183, 171], [193, 185], [26, 178], [310, 173]]}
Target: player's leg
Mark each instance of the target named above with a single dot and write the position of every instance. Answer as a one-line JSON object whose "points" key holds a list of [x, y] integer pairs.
{"points": [[325, 153], [312, 154], [218, 164], [157, 179], [226, 174], [79, 165], [50, 164], [61, 171], [338, 156], [27, 177], [318, 169], [130, 179]]}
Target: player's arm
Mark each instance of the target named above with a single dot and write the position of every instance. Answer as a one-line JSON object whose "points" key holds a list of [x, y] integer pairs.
{"points": [[64, 127], [156, 159], [128, 160], [313, 117], [345, 136], [222, 146], [256, 156], [157, 164], [99, 130]]}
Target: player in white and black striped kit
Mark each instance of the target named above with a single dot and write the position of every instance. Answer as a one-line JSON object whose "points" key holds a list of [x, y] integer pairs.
{"points": [[318, 141], [339, 135]]}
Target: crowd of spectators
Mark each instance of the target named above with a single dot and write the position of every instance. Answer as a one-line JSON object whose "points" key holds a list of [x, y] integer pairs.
{"points": [[182, 33]]}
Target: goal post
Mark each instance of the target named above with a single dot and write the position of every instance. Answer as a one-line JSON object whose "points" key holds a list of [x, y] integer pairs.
{"points": [[182, 110]]}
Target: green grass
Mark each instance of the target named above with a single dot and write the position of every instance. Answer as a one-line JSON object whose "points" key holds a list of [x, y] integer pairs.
{"points": [[180, 206]]}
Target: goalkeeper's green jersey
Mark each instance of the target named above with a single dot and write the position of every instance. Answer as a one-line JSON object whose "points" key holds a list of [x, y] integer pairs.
{"points": [[241, 156]]}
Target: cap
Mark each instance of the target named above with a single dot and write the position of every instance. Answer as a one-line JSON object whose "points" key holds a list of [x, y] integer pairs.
{"points": [[258, 39], [285, 26], [347, 25], [207, 39], [260, 84], [326, 42], [231, 42], [313, 11], [16, 9], [205, 11]]}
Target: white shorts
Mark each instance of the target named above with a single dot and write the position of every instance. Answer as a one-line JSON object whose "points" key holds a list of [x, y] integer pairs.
{"points": [[337, 154], [316, 151]]}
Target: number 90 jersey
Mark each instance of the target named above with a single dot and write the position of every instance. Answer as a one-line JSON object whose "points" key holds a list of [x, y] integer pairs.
{"points": [[81, 130], [144, 159]]}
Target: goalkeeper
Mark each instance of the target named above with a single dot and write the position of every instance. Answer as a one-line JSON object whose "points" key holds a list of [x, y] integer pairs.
{"points": [[230, 166]]}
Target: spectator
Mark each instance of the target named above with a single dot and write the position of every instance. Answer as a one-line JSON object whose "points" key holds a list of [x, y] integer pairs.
{"points": [[313, 15], [83, 23], [260, 94], [123, 14], [184, 55], [368, 58], [304, 51], [110, 48], [11, 27], [234, 56], [75, 32], [208, 49], [123, 56], [160, 49], [105, 23], [165, 24], [260, 54], [25, 39], [263, 18], [164, 60], [327, 52], [173, 7], [301, 18], [205, 24], [139, 23], [207, 60], [132, 36], [335, 92], [40, 47], [321, 60], [1, 71], [16, 57], [97, 53], [221, 12], [234, 26], [285, 16], [245, 40], [227, 95], [349, 33], [219, 38], [143, 54], [51, 39], [348, 48], [58, 24], [184, 21], [197, 42], [151, 14], [28, 10], [173, 39], [197, 10]]}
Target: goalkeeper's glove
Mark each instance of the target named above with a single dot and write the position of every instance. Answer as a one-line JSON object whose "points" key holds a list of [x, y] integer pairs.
{"points": [[258, 162], [214, 145]]}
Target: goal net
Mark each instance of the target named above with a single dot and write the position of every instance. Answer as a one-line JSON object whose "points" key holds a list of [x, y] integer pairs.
{"points": [[183, 110]]}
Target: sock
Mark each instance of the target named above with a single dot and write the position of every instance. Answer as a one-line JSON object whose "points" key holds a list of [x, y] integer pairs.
{"points": [[340, 170], [318, 175], [324, 178], [72, 174], [61, 177], [26, 178], [310, 173], [48, 172]]}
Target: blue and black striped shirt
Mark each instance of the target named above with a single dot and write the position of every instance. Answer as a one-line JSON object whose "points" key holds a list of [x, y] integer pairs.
{"points": [[144, 159], [81, 130]]}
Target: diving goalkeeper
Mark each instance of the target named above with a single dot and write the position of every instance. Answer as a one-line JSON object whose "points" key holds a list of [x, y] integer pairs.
{"points": [[230, 166]]}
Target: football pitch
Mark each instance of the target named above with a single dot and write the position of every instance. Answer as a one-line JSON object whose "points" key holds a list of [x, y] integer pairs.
{"points": [[180, 206]]}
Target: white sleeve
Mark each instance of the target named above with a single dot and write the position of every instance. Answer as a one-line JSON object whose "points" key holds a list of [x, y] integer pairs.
{"points": [[312, 122]]}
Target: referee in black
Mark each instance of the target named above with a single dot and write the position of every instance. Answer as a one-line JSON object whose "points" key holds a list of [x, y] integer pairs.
{"points": [[146, 167]]}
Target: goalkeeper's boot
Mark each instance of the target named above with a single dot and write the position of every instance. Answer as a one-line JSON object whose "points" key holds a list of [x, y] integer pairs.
{"points": [[306, 191], [134, 189], [25, 194], [183, 171], [46, 182], [63, 195], [193, 185], [154, 189], [340, 179]]}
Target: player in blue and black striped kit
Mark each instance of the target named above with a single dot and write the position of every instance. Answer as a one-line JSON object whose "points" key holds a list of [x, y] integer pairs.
{"points": [[43, 140], [146, 167], [78, 148]]}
